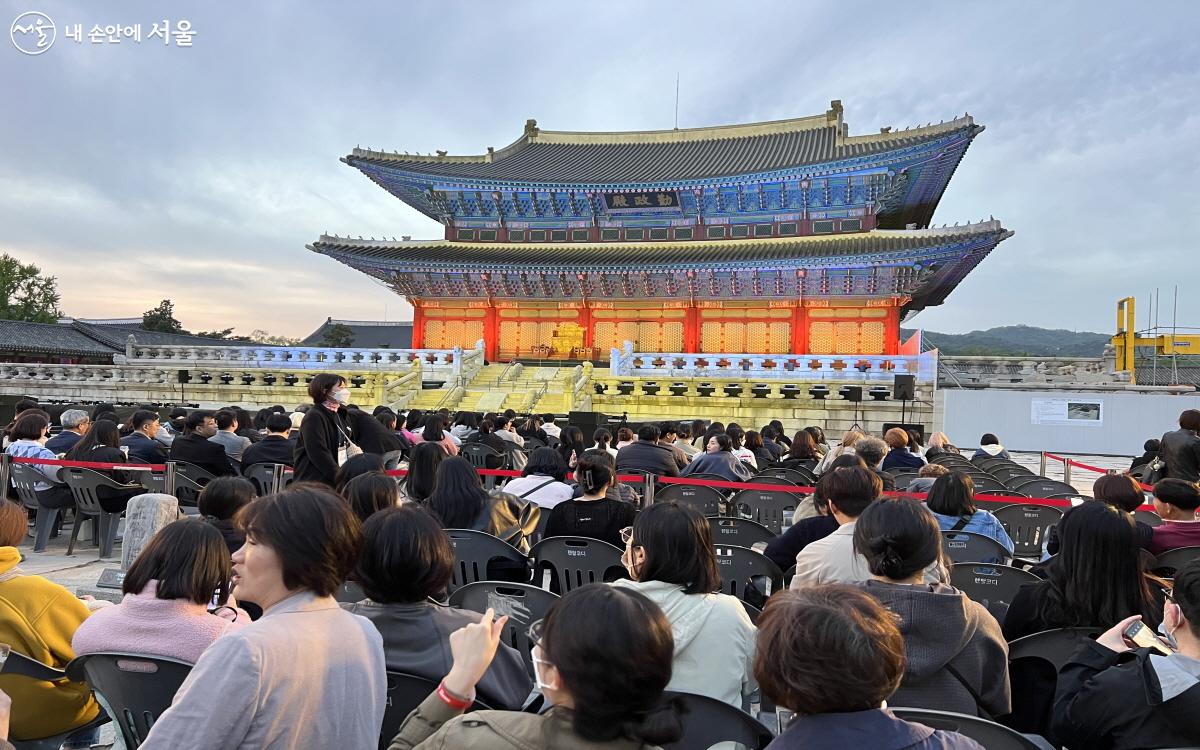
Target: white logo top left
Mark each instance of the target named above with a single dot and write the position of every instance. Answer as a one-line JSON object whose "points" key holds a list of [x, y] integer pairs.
{"points": [[32, 33]]}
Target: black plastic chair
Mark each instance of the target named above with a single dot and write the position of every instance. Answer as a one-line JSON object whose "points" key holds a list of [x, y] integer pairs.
{"points": [[523, 603], [750, 576], [772, 509], [1148, 517], [483, 456], [1053, 646], [1042, 487], [991, 735], [475, 550], [793, 475], [989, 584], [903, 479], [1028, 526], [707, 500], [967, 546], [404, 693], [261, 474], [740, 531], [987, 483], [1008, 473], [951, 460], [707, 722], [138, 688], [562, 563], [85, 485], [1170, 561], [24, 479], [23, 666]]}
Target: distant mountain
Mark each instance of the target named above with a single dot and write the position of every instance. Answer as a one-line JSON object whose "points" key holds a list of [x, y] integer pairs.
{"points": [[1017, 341]]}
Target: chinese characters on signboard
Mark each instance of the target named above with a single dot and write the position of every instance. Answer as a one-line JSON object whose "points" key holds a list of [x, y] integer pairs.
{"points": [[650, 201]]}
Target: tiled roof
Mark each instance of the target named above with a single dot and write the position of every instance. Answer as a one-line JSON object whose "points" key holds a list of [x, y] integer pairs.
{"points": [[652, 156], [1164, 374], [368, 333], [116, 335], [605, 256], [49, 338]]}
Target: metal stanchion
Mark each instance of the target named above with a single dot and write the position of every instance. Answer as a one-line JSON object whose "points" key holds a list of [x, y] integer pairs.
{"points": [[277, 478], [169, 478], [5, 471], [1067, 470], [1042, 464], [648, 490]]}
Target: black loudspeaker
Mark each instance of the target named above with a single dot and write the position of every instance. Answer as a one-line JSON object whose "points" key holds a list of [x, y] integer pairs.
{"points": [[183, 376], [904, 388], [587, 422], [852, 393]]}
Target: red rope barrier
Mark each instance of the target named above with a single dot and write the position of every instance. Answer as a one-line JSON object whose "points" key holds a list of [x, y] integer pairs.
{"points": [[88, 464], [1096, 469]]}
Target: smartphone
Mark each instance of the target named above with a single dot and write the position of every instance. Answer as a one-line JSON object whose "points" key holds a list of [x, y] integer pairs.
{"points": [[1141, 636]]}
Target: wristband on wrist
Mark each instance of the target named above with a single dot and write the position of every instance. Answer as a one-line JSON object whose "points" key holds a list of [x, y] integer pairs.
{"points": [[450, 699]]}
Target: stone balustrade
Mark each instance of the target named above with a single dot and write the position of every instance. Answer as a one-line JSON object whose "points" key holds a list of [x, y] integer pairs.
{"points": [[795, 367], [967, 371]]}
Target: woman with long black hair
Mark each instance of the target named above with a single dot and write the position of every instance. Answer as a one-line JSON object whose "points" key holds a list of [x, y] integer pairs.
{"points": [[423, 463]]}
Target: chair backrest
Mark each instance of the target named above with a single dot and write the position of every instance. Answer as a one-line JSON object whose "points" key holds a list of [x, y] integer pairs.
{"points": [[532, 443], [1006, 473], [1054, 646], [25, 478], [84, 484], [991, 735], [772, 509], [747, 574], [952, 459], [568, 562], [523, 603], [989, 584], [967, 546], [707, 722], [707, 500], [137, 688], [1028, 526], [1148, 517], [260, 475], [793, 475], [740, 531], [903, 479], [1172, 560], [26, 666], [1041, 486], [482, 456], [473, 550], [193, 472], [776, 481], [404, 693], [987, 483]]}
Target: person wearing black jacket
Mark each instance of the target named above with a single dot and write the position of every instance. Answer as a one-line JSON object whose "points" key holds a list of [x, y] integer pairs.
{"points": [[1180, 449], [275, 448], [1112, 696], [143, 448], [647, 455], [194, 446], [324, 432], [100, 445], [370, 434]]}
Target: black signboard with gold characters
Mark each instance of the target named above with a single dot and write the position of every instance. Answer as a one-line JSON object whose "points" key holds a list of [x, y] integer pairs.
{"points": [[656, 200]]}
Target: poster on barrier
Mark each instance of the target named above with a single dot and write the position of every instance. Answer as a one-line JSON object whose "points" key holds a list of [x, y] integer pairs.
{"points": [[1066, 412]]}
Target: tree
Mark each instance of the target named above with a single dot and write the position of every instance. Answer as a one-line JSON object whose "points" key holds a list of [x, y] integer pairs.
{"points": [[162, 319], [25, 294], [338, 336], [222, 334], [259, 336]]}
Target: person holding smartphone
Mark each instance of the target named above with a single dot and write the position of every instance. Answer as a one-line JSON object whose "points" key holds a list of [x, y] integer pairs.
{"points": [[1131, 688]]}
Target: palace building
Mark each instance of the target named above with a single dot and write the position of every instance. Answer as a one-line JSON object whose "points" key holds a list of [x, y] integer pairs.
{"points": [[790, 236]]}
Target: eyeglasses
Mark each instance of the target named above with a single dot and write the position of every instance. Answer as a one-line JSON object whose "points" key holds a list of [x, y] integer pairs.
{"points": [[626, 535], [536, 629]]}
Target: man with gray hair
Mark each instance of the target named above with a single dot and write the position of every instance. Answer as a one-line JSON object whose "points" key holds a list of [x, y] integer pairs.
{"points": [[75, 424], [872, 450]]}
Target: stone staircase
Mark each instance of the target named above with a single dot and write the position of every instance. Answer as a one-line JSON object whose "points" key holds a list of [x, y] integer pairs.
{"points": [[497, 387]]}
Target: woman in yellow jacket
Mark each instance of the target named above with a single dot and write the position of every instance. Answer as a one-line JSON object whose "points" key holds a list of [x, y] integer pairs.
{"points": [[37, 619]]}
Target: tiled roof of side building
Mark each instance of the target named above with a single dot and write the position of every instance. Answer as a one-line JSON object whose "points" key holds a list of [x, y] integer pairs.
{"points": [[444, 254], [116, 335], [370, 334], [651, 156], [16, 335]]}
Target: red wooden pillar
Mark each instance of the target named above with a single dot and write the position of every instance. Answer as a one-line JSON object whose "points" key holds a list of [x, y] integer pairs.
{"points": [[586, 323], [491, 333], [691, 330], [418, 332], [799, 329], [891, 331]]}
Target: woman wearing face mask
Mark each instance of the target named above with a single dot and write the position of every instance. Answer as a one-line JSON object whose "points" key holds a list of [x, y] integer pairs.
{"points": [[669, 556], [602, 658], [325, 433]]}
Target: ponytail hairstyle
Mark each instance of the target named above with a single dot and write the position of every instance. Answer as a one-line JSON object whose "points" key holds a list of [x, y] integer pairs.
{"points": [[899, 538], [593, 474], [613, 650], [602, 438]]}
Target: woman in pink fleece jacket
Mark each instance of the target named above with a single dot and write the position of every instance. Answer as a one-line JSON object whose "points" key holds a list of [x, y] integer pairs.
{"points": [[181, 572]]}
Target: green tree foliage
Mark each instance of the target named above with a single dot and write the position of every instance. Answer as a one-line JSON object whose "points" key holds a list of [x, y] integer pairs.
{"points": [[162, 319], [339, 335], [26, 294]]}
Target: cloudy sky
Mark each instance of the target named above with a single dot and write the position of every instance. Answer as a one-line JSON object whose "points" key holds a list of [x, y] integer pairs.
{"points": [[134, 172]]}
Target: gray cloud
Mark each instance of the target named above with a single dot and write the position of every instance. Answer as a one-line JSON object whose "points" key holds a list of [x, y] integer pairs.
{"points": [[141, 171]]}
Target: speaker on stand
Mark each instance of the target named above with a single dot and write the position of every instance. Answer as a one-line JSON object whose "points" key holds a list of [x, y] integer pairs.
{"points": [[184, 377], [853, 393], [904, 389]]}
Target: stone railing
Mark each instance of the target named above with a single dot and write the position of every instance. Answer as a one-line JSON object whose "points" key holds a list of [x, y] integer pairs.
{"points": [[969, 371], [799, 367], [439, 363], [579, 395], [208, 385]]}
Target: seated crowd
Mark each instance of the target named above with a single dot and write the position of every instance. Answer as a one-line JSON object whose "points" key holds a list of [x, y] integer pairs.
{"points": [[252, 593]]}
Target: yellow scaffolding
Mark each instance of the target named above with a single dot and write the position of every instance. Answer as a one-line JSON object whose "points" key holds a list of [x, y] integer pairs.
{"points": [[1127, 340]]}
